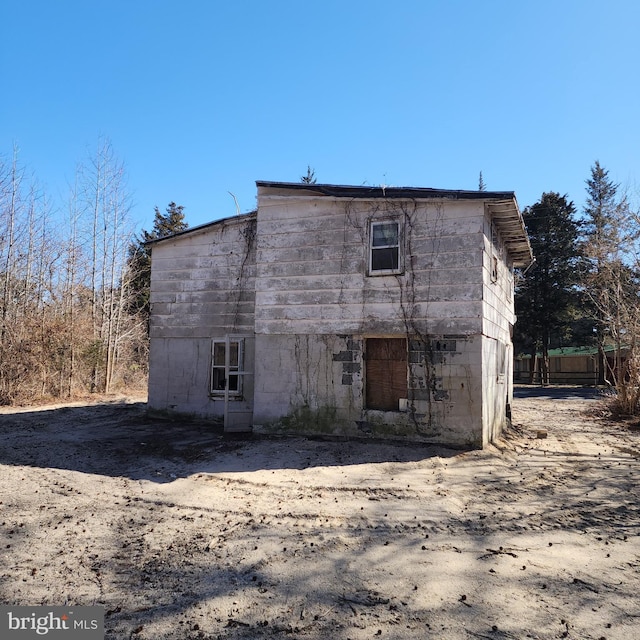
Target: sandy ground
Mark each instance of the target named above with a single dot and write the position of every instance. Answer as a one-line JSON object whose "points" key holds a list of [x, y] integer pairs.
{"points": [[180, 533]]}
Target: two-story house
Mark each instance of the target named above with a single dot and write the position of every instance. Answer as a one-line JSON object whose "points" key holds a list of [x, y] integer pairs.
{"points": [[341, 310]]}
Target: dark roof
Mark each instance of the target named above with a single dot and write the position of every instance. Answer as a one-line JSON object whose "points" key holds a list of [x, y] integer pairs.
{"points": [[502, 206], [205, 226], [350, 191]]}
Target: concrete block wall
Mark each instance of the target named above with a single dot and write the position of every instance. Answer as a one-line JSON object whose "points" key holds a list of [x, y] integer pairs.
{"points": [[296, 276], [312, 266], [498, 318], [181, 377], [309, 384], [306, 383], [202, 288]]}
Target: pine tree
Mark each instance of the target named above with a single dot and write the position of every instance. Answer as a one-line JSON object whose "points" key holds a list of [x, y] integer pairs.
{"points": [[602, 216], [610, 278], [310, 178], [547, 295], [481, 185], [166, 224]]}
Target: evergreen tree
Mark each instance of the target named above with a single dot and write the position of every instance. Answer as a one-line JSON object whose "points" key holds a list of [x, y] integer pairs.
{"points": [[310, 178], [481, 185], [164, 224], [602, 217], [610, 277], [547, 295]]}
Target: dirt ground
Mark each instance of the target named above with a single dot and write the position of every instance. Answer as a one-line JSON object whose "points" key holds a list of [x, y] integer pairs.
{"points": [[181, 533]]}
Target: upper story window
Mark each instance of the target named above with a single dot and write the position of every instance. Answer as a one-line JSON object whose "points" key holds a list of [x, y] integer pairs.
{"points": [[385, 248]]}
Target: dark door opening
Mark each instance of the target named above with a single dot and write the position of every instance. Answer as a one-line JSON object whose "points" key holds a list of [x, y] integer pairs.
{"points": [[386, 373]]}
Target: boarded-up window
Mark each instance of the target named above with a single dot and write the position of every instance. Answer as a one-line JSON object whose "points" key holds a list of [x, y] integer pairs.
{"points": [[386, 373]]}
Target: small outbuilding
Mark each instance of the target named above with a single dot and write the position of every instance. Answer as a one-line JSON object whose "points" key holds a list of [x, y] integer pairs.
{"points": [[587, 366], [382, 312]]}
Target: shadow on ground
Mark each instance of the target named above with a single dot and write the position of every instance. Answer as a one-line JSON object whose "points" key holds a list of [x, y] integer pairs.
{"points": [[118, 439], [557, 392]]}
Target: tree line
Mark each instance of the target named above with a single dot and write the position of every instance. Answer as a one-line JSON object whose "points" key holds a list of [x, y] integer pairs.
{"points": [[73, 283], [584, 288]]}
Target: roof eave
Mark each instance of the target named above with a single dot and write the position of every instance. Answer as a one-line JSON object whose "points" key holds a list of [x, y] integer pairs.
{"points": [[508, 220], [203, 227], [367, 192]]}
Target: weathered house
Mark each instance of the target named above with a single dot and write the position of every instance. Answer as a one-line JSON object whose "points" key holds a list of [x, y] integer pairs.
{"points": [[360, 311]]}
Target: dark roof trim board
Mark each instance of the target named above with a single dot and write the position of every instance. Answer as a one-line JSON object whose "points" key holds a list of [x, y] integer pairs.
{"points": [[205, 227], [347, 191]]}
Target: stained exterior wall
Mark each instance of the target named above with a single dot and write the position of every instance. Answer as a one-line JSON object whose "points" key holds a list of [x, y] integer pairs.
{"points": [[202, 287], [316, 384], [498, 318], [316, 306], [312, 267], [296, 276]]}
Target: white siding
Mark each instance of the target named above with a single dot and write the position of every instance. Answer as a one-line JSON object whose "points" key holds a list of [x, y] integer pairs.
{"points": [[497, 319], [202, 287], [312, 267]]}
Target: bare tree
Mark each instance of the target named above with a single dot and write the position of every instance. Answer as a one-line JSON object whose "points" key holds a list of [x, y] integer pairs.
{"points": [[107, 206], [28, 268], [611, 280], [11, 195], [64, 320]]}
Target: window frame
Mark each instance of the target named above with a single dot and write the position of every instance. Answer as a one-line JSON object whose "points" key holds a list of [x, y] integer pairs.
{"points": [[399, 246], [234, 369], [502, 355]]}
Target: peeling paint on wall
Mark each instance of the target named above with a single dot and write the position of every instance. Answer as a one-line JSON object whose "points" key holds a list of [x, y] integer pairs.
{"points": [[297, 275]]}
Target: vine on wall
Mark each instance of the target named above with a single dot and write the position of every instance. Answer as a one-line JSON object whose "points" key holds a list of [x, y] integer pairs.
{"points": [[248, 234], [420, 343]]}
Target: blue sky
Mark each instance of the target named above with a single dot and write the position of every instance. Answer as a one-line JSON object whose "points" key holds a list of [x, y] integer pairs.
{"points": [[200, 98]]}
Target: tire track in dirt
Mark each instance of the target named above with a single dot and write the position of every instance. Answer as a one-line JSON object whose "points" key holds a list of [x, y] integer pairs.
{"points": [[181, 534]]}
